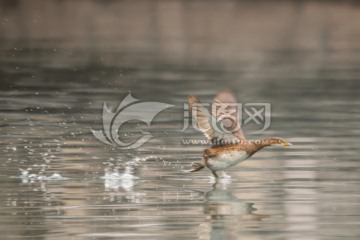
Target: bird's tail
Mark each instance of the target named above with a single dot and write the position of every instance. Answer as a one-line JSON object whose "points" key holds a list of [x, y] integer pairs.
{"points": [[196, 167]]}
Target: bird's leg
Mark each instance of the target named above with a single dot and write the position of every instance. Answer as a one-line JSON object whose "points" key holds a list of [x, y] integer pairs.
{"points": [[215, 174]]}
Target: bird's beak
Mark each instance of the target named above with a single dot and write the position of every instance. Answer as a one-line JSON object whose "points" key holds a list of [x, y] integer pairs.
{"points": [[286, 144]]}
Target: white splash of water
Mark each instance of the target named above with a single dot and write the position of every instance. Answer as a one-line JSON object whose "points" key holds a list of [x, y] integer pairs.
{"points": [[115, 180], [26, 176]]}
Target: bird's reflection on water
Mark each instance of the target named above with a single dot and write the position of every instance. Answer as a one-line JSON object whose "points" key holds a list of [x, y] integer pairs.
{"points": [[225, 213]]}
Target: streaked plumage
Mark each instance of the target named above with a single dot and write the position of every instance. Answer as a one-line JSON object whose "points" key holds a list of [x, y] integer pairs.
{"points": [[222, 156]]}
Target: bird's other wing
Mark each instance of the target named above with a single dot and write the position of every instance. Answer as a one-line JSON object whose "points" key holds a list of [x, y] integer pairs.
{"points": [[225, 110], [202, 116]]}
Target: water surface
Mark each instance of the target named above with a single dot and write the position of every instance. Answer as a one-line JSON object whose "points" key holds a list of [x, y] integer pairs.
{"points": [[59, 182]]}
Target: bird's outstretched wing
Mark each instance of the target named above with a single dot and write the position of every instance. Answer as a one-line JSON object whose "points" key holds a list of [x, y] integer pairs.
{"points": [[202, 116], [225, 110]]}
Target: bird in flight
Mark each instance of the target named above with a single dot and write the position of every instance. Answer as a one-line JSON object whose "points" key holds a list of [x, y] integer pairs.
{"points": [[225, 154]]}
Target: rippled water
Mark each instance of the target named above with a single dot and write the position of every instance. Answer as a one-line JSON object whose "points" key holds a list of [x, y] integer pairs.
{"points": [[59, 182]]}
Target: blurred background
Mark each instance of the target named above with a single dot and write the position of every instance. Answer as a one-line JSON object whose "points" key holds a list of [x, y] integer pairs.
{"points": [[60, 60], [290, 37]]}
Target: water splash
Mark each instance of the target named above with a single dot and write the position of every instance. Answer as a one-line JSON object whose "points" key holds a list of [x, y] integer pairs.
{"points": [[115, 180], [26, 176], [224, 179]]}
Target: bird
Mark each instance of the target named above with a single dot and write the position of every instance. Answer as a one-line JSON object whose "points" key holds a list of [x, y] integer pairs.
{"points": [[224, 154]]}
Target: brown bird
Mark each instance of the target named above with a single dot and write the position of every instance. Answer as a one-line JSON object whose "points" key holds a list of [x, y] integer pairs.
{"points": [[222, 154]]}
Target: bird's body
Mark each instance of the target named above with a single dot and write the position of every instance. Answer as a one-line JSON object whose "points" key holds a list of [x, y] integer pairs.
{"points": [[226, 159], [222, 156]]}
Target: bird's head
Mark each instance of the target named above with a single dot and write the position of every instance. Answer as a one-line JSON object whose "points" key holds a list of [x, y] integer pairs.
{"points": [[278, 141]]}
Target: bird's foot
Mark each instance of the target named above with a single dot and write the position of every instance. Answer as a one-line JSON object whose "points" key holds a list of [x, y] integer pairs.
{"points": [[225, 176]]}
